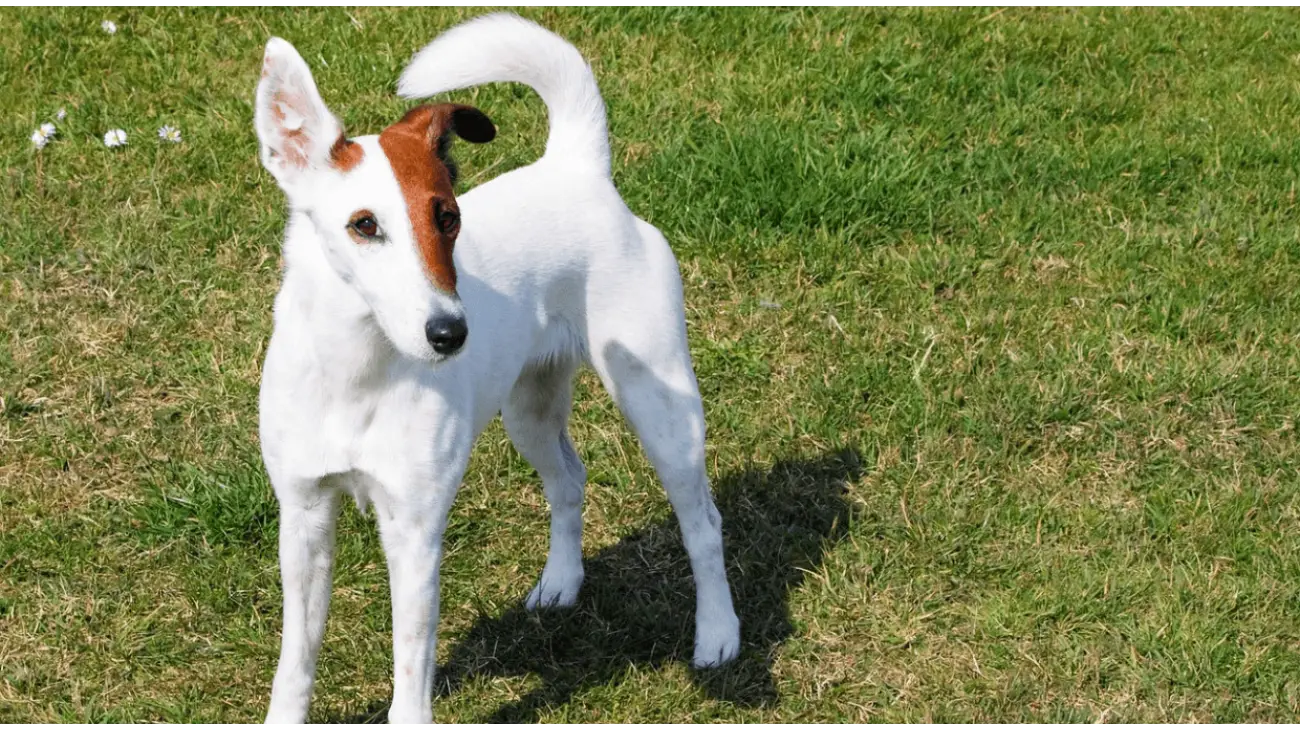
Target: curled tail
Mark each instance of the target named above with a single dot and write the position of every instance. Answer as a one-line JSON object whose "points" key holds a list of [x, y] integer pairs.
{"points": [[505, 47]]}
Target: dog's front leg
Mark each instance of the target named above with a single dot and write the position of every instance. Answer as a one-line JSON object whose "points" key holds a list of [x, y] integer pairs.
{"points": [[307, 518], [411, 530]]}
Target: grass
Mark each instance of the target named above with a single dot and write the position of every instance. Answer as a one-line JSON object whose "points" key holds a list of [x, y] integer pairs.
{"points": [[995, 313]]}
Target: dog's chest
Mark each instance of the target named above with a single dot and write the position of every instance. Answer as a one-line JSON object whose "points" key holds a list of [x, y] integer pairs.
{"points": [[323, 424], [345, 423]]}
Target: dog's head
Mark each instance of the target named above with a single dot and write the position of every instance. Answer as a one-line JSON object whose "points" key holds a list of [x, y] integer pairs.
{"points": [[382, 205]]}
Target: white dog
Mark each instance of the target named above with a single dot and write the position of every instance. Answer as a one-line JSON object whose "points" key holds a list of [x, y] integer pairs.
{"points": [[390, 354]]}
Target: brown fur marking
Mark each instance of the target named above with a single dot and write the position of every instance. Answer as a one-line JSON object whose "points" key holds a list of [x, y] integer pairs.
{"points": [[345, 154], [412, 149]]}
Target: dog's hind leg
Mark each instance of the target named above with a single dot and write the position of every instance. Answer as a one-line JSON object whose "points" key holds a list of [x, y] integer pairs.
{"points": [[536, 417], [308, 514], [639, 350]]}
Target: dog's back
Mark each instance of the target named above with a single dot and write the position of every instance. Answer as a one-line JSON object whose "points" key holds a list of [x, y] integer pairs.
{"points": [[557, 227], [603, 284]]}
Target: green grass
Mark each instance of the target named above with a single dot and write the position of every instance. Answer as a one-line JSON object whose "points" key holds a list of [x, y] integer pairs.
{"points": [[995, 314]]}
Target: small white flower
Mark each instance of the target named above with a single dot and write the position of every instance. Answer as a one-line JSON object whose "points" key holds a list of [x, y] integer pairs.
{"points": [[168, 133], [39, 139], [109, 27], [63, 113], [48, 130], [114, 138]]}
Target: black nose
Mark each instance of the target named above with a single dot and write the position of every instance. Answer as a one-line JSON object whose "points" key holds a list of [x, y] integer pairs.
{"points": [[445, 333]]}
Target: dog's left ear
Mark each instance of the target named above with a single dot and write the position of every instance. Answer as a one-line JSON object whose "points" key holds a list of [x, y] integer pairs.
{"points": [[466, 122], [437, 123], [469, 124], [295, 128]]}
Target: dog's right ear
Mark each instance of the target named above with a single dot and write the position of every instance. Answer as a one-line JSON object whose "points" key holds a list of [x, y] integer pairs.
{"points": [[294, 127]]}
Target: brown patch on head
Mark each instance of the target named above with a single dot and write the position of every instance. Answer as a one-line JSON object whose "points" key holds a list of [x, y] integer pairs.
{"points": [[345, 154], [416, 148]]}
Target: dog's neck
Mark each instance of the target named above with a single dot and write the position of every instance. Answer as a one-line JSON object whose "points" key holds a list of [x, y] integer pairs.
{"points": [[337, 328]]}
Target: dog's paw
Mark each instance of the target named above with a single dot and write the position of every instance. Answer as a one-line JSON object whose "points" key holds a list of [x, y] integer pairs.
{"points": [[556, 589], [410, 716], [716, 642], [277, 717]]}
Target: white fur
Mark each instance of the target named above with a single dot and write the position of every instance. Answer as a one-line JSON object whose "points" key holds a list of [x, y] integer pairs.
{"points": [[505, 47], [554, 272]]}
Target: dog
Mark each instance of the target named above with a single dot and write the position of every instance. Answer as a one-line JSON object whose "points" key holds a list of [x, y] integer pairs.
{"points": [[408, 319]]}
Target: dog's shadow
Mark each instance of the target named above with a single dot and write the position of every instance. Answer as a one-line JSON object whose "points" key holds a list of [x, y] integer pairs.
{"points": [[638, 600]]}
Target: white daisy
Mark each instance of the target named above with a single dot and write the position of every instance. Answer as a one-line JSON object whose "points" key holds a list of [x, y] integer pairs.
{"points": [[48, 129], [39, 139], [109, 27], [168, 133], [61, 115], [114, 138]]}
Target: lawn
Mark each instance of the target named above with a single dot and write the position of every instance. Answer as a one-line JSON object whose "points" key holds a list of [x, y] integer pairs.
{"points": [[995, 315]]}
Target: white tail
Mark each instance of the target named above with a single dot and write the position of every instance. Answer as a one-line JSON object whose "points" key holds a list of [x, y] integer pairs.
{"points": [[505, 47]]}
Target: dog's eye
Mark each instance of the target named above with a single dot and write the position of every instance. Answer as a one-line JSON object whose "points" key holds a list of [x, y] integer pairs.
{"points": [[365, 224], [448, 220]]}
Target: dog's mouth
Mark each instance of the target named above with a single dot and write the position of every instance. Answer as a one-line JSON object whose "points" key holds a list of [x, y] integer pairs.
{"points": [[435, 359]]}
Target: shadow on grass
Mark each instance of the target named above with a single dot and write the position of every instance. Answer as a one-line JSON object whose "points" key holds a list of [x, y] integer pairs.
{"points": [[638, 601]]}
